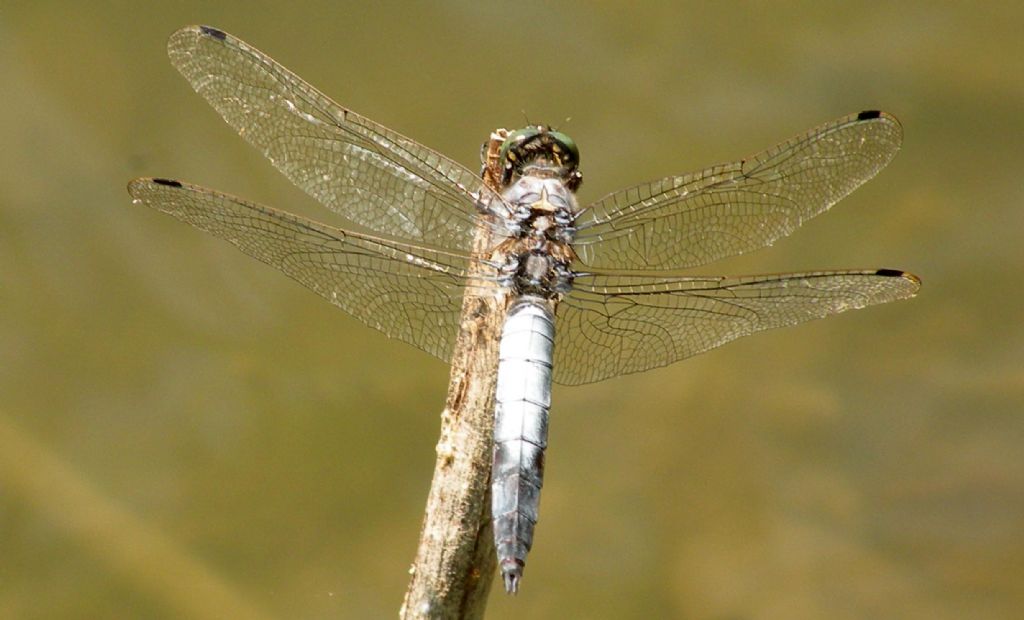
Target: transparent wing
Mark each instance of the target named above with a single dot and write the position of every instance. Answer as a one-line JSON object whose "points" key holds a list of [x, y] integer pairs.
{"points": [[408, 292], [615, 325], [684, 221], [367, 173]]}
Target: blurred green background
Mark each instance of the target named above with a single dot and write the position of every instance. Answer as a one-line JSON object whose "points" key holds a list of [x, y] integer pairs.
{"points": [[186, 433]]}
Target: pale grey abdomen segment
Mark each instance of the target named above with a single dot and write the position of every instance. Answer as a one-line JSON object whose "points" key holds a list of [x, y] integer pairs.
{"points": [[520, 431]]}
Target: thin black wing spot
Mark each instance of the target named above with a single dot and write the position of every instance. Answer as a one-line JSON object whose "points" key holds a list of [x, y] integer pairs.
{"points": [[409, 292], [899, 273], [619, 324], [213, 32], [689, 220], [363, 171]]}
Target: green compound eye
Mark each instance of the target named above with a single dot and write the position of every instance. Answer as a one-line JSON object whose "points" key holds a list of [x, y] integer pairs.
{"points": [[540, 146], [516, 138], [566, 143], [526, 142]]}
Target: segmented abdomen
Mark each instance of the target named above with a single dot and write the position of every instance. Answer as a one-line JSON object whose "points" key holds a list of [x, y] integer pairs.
{"points": [[520, 431]]}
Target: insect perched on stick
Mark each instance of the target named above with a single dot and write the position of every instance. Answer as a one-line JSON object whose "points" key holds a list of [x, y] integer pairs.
{"points": [[606, 278]]}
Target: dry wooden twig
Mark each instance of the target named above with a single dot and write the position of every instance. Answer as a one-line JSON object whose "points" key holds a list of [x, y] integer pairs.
{"points": [[455, 562]]}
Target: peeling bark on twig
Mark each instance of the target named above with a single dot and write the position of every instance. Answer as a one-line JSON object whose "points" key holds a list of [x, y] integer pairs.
{"points": [[455, 562]]}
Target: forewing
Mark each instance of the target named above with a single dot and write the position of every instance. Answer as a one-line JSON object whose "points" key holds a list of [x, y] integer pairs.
{"points": [[616, 325], [684, 221], [367, 173], [408, 292]]}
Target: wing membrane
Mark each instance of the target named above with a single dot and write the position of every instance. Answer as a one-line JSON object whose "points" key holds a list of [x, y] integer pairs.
{"points": [[360, 169], [685, 221], [408, 292], [609, 324], [613, 325]]}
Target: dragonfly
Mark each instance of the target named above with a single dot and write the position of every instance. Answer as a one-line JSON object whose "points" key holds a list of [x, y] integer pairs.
{"points": [[610, 276]]}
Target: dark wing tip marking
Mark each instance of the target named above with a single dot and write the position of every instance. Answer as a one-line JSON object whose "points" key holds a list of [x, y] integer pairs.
{"points": [[210, 31], [867, 115], [898, 273], [167, 182]]}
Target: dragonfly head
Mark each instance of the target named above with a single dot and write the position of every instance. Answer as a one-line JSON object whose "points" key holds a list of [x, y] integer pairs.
{"points": [[538, 148]]}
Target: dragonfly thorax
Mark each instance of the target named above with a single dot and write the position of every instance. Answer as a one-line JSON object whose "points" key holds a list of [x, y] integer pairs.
{"points": [[539, 271], [536, 255], [541, 208]]}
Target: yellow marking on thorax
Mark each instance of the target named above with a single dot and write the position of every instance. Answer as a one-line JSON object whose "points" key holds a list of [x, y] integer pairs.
{"points": [[543, 205]]}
